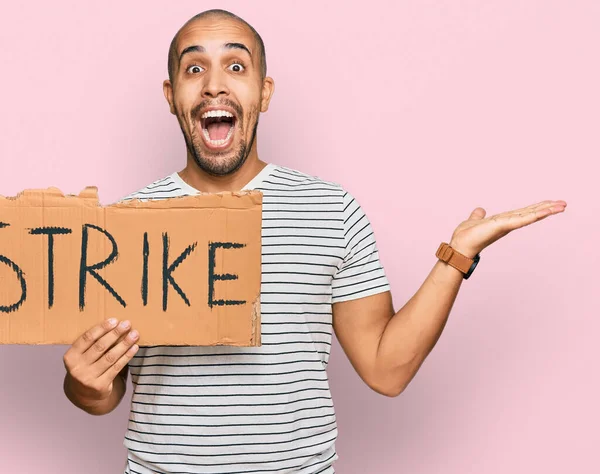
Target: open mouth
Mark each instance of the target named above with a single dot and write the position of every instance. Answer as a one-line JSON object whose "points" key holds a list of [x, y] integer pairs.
{"points": [[218, 126]]}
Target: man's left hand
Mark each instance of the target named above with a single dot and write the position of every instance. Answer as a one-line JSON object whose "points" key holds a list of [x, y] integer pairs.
{"points": [[476, 233]]}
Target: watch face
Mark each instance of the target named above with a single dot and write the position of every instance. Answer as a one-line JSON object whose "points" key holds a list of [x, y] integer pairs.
{"points": [[473, 265]]}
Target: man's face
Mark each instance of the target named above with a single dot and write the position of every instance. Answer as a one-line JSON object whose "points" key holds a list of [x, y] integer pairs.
{"points": [[217, 92]]}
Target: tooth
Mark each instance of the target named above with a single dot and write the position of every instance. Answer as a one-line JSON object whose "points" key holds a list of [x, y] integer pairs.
{"points": [[217, 113]]}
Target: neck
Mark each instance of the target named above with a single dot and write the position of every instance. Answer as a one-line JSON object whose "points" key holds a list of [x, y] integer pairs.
{"points": [[197, 178]]}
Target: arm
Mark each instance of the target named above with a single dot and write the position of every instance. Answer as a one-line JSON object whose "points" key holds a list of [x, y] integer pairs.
{"points": [[386, 348]]}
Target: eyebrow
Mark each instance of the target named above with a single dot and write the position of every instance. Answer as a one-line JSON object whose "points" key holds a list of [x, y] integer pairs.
{"points": [[201, 49]]}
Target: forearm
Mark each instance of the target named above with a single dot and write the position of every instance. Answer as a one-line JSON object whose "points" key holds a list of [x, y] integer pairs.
{"points": [[413, 331], [91, 406]]}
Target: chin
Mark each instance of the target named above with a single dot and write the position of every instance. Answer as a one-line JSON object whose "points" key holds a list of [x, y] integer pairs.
{"points": [[219, 163]]}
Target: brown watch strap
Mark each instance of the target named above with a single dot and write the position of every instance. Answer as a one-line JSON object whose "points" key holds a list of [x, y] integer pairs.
{"points": [[453, 258]]}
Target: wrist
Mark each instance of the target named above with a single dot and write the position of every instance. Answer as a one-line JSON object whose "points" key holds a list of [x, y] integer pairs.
{"points": [[83, 398], [458, 256], [462, 249]]}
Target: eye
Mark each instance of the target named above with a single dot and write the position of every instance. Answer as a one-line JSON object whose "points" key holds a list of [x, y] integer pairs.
{"points": [[194, 69], [236, 67]]}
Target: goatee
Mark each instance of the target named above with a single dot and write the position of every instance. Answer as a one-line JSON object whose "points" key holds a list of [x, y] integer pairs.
{"points": [[220, 163]]}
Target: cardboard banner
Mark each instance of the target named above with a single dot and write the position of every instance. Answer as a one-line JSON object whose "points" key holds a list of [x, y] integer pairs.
{"points": [[184, 270]]}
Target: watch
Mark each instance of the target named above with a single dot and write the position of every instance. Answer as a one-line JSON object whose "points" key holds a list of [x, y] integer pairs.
{"points": [[457, 260]]}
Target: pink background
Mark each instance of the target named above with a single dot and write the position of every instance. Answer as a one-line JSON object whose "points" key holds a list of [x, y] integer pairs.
{"points": [[423, 110]]}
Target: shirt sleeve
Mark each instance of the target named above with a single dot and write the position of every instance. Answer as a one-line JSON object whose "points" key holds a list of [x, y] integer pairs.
{"points": [[361, 273]]}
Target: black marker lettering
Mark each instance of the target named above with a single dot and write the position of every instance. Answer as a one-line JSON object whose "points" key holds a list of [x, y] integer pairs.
{"points": [[50, 232], [20, 275], [212, 276], [146, 252], [84, 269], [167, 270]]}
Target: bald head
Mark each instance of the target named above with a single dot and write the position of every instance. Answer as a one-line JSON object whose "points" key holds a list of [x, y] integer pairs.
{"points": [[216, 14]]}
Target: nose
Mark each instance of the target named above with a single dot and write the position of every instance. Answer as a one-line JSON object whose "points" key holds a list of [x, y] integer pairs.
{"points": [[214, 85]]}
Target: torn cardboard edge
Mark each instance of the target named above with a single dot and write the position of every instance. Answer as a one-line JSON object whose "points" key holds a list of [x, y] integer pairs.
{"points": [[89, 195]]}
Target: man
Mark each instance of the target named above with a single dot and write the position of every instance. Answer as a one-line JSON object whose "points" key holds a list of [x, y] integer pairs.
{"points": [[268, 409]]}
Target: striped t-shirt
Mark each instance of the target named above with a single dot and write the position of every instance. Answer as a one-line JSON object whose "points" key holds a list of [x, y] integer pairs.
{"points": [[267, 409]]}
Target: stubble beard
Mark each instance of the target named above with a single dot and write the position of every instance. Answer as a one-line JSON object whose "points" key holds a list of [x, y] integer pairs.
{"points": [[221, 163]]}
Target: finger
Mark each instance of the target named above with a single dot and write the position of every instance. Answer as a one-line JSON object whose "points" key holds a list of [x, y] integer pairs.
{"points": [[104, 343], [89, 337], [478, 213], [110, 357], [113, 370], [555, 209], [546, 210], [520, 212], [517, 220], [537, 206]]}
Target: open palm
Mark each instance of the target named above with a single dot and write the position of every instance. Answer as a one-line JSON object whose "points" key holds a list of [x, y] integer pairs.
{"points": [[477, 232]]}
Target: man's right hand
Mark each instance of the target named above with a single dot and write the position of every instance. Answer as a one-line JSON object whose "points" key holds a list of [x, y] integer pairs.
{"points": [[93, 363]]}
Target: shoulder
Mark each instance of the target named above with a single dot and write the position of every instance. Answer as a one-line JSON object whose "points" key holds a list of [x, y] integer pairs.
{"points": [[165, 187], [284, 176]]}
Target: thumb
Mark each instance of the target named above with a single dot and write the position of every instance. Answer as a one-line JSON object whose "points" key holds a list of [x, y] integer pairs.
{"points": [[477, 214]]}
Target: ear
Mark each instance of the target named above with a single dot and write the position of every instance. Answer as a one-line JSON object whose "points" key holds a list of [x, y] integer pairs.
{"points": [[168, 91], [267, 92]]}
